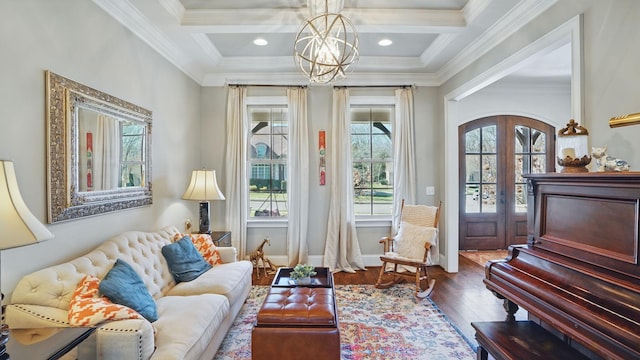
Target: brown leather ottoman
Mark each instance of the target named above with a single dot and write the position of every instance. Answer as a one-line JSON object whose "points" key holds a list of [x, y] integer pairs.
{"points": [[297, 323]]}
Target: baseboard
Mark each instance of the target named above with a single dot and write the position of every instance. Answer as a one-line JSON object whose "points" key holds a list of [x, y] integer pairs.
{"points": [[318, 260]]}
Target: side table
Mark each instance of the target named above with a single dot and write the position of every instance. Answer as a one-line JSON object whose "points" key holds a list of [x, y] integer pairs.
{"points": [[50, 344], [221, 238]]}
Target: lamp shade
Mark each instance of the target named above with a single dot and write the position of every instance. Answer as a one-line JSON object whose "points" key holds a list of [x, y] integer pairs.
{"points": [[203, 186], [19, 226]]}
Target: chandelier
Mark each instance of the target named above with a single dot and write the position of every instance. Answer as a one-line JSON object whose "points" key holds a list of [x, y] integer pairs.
{"points": [[326, 46]]}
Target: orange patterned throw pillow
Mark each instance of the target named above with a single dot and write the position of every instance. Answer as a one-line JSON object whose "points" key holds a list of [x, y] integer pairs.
{"points": [[88, 308], [204, 245]]}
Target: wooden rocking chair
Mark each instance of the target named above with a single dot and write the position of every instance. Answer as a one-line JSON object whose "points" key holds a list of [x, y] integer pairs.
{"points": [[406, 254]]}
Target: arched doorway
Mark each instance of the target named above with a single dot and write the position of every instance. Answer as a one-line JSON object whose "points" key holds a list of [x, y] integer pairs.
{"points": [[494, 153]]}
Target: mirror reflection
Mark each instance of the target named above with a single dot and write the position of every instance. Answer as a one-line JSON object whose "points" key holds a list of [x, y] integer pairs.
{"points": [[98, 151], [111, 152]]}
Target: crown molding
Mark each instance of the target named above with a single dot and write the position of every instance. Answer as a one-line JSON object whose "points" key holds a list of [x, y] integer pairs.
{"points": [[210, 66], [131, 18], [518, 17]]}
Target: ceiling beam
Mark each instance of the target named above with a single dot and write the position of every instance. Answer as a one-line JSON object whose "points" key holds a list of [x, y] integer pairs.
{"points": [[289, 20]]}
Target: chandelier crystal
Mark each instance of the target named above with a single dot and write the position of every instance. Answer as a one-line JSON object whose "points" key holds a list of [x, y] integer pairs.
{"points": [[326, 47]]}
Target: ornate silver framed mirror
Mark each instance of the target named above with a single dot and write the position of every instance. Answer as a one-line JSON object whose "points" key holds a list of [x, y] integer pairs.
{"points": [[98, 151]]}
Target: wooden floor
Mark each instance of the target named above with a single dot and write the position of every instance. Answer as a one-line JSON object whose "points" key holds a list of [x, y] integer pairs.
{"points": [[461, 296]]}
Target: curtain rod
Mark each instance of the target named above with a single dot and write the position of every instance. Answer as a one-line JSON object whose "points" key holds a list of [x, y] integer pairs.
{"points": [[372, 86], [268, 85]]}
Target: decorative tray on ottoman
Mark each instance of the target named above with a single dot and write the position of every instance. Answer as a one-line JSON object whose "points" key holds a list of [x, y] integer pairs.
{"points": [[323, 278]]}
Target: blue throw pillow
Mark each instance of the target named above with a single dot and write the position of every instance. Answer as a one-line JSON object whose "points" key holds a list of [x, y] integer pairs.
{"points": [[122, 285], [184, 260]]}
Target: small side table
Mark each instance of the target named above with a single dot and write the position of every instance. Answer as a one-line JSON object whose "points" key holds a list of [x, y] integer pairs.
{"points": [[221, 238], [55, 342]]}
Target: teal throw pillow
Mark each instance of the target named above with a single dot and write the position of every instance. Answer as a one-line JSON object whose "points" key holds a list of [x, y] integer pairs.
{"points": [[122, 285], [184, 260]]}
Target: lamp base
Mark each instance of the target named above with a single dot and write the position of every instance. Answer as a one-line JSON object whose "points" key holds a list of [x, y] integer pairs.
{"points": [[204, 218]]}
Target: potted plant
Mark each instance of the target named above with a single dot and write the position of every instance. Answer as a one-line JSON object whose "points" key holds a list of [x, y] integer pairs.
{"points": [[302, 274]]}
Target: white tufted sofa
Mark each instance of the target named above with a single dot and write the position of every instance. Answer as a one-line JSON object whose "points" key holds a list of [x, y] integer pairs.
{"points": [[194, 316]]}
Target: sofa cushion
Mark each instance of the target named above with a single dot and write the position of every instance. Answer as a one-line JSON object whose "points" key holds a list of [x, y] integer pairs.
{"points": [[224, 279], [89, 308], [205, 246], [123, 285], [184, 334], [185, 262]]}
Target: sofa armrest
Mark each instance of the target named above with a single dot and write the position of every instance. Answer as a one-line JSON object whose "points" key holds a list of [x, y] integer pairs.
{"points": [[23, 316], [121, 339], [227, 254]]}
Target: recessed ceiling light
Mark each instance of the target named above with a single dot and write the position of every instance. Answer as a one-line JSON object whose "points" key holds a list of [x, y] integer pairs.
{"points": [[260, 42], [385, 42]]}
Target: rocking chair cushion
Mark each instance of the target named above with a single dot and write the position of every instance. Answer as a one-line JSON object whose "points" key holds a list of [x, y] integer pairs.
{"points": [[411, 239]]}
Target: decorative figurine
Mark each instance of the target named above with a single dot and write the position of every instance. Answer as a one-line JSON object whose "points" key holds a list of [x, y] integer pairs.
{"points": [[606, 163], [258, 256]]}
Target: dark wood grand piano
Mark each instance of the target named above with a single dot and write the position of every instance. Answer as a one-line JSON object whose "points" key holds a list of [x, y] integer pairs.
{"points": [[578, 276]]}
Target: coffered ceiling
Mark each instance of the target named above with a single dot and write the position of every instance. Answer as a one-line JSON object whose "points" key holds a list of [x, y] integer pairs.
{"points": [[212, 40]]}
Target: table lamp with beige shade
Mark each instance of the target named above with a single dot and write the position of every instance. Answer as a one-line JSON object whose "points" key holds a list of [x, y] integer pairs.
{"points": [[19, 226], [203, 187]]}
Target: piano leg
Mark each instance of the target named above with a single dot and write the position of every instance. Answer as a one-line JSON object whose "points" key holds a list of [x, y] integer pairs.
{"points": [[511, 308]]}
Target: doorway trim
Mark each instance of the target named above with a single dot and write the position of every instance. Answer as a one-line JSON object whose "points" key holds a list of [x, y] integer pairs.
{"points": [[569, 32]]}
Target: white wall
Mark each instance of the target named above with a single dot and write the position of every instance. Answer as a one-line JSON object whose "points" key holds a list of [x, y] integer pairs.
{"points": [[549, 103], [76, 39], [428, 142], [609, 77]]}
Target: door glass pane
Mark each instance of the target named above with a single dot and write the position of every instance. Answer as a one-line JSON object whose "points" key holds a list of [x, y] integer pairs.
{"points": [[539, 164], [522, 139], [539, 141], [489, 170], [472, 194], [488, 194], [473, 168], [522, 162], [489, 139], [472, 141], [521, 198]]}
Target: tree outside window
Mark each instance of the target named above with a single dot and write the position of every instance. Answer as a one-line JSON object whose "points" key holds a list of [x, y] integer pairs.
{"points": [[132, 154], [372, 159], [268, 161]]}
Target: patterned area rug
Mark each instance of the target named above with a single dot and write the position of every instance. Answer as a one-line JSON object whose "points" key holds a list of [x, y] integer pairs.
{"points": [[374, 324], [481, 257]]}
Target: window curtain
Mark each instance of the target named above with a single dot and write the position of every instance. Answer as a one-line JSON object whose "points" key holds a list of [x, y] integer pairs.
{"points": [[298, 177], [404, 167], [342, 250], [106, 153], [404, 163], [236, 171]]}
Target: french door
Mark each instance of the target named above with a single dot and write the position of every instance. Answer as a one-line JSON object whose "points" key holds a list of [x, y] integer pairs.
{"points": [[494, 153]]}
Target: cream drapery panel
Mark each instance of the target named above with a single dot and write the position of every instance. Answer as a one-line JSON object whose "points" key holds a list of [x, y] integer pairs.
{"points": [[236, 171], [298, 177], [106, 154], [404, 166], [404, 163], [342, 250]]}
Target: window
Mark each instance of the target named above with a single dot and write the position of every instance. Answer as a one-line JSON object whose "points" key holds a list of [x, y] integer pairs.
{"points": [[268, 160], [372, 159], [132, 154]]}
